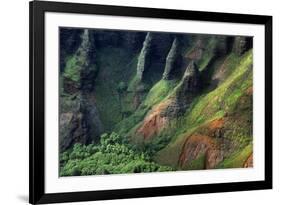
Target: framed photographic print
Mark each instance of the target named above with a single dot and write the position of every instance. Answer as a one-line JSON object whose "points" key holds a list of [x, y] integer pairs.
{"points": [[140, 102]]}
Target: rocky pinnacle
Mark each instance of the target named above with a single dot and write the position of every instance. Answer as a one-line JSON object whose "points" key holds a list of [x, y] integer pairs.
{"points": [[171, 60], [143, 57]]}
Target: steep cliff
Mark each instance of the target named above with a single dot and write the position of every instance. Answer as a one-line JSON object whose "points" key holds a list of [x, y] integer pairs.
{"points": [[144, 57], [173, 61], [79, 118]]}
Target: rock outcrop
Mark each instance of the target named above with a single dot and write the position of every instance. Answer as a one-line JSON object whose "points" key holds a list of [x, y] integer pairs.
{"points": [[154, 122], [79, 121], [158, 118], [206, 142], [172, 61], [79, 118], [249, 162], [143, 60], [185, 93], [81, 71], [190, 80], [242, 44], [197, 146], [87, 55]]}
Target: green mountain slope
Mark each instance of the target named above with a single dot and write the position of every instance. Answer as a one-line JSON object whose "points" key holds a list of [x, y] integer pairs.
{"points": [[231, 102]]}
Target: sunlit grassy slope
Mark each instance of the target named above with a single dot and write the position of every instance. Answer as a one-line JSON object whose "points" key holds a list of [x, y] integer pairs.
{"points": [[227, 99]]}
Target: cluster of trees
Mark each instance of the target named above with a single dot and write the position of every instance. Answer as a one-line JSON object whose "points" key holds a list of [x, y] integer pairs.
{"points": [[111, 156]]}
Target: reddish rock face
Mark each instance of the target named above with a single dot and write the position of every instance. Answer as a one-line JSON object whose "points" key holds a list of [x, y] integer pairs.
{"points": [[249, 162], [154, 123], [203, 142], [213, 158], [152, 126], [216, 124], [198, 145], [249, 91]]}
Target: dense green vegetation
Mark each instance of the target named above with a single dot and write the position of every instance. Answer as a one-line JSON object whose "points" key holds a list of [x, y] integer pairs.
{"points": [[115, 74], [71, 70], [111, 156], [158, 92]]}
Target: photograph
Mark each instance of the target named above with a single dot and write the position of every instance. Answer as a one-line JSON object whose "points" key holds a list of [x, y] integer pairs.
{"points": [[130, 102], [148, 101]]}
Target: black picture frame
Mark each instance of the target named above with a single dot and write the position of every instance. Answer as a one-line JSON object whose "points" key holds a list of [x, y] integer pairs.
{"points": [[37, 193]]}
